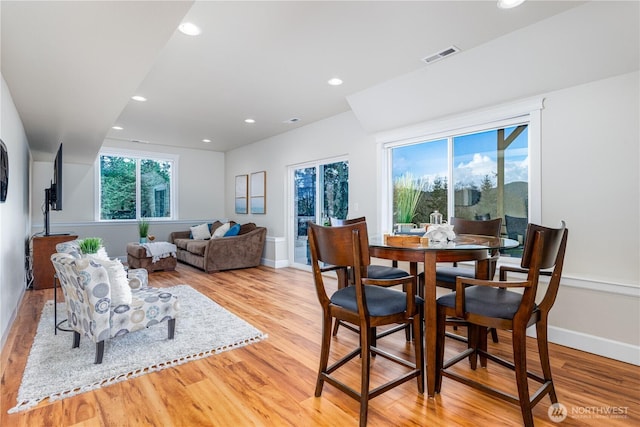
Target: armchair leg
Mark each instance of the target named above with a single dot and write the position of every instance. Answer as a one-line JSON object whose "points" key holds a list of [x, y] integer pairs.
{"points": [[76, 340], [99, 352], [172, 328]]}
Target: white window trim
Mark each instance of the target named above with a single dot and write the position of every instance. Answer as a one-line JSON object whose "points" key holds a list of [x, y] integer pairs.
{"points": [[137, 154], [529, 110]]}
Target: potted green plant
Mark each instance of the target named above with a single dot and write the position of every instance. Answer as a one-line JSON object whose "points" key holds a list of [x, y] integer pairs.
{"points": [[407, 191], [90, 245], [143, 229]]}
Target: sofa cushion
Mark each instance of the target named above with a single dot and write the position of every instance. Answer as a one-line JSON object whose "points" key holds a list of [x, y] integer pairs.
{"points": [[197, 247], [200, 232], [245, 228], [233, 231], [180, 243], [220, 231], [213, 226]]}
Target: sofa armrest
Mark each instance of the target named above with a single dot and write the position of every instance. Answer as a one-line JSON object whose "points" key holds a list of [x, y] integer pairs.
{"points": [[178, 235], [241, 251]]}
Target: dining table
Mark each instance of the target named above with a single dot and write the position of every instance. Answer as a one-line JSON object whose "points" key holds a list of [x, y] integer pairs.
{"points": [[416, 249]]}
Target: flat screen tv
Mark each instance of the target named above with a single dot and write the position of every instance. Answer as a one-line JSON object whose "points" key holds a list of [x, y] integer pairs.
{"points": [[53, 194], [56, 184]]}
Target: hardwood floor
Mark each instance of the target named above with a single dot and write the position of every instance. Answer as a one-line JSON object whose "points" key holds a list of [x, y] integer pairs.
{"points": [[271, 383]]}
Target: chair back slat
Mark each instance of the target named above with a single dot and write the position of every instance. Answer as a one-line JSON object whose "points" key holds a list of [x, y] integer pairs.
{"points": [[333, 245], [338, 222], [490, 227]]}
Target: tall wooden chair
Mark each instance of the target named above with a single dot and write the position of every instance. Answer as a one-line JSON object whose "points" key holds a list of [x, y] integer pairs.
{"points": [[368, 303], [446, 275], [489, 304], [382, 272]]}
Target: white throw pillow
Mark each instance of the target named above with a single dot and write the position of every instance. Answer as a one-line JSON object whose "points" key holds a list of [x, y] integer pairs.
{"points": [[220, 231], [120, 290], [200, 232]]}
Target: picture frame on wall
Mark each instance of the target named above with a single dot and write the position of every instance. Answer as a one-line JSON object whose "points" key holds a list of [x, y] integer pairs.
{"points": [[241, 201], [4, 172], [258, 195]]}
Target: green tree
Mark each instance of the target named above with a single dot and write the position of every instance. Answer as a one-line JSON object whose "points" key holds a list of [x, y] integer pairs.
{"points": [[438, 196], [118, 188]]}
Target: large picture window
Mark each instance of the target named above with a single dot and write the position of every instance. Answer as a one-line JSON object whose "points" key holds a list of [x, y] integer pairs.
{"points": [[476, 171], [135, 185]]}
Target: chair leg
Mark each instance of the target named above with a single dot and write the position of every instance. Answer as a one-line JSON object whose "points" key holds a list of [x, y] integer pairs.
{"points": [[418, 342], [473, 332], [172, 328], [482, 344], [365, 344], [76, 340], [543, 351], [494, 334], [336, 324], [440, 329], [324, 352], [520, 365], [99, 352]]}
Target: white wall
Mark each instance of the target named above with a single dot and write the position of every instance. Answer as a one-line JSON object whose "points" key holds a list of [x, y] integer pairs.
{"points": [[337, 136], [200, 197], [14, 213]]}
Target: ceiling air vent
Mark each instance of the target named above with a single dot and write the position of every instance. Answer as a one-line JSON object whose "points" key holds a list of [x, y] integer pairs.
{"points": [[440, 55]]}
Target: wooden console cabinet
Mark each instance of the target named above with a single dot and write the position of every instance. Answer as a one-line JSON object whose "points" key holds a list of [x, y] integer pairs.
{"points": [[43, 247]]}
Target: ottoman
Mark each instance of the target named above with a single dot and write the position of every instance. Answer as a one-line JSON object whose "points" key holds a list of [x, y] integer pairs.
{"points": [[137, 258]]}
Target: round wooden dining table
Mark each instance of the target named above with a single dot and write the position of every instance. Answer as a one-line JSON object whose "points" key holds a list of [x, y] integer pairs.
{"points": [[417, 249]]}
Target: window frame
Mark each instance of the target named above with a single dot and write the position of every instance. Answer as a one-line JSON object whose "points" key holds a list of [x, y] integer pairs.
{"points": [[526, 111], [138, 155]]}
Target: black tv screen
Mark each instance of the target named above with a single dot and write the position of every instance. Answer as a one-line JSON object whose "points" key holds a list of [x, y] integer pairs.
{"points": [[56, 184]]}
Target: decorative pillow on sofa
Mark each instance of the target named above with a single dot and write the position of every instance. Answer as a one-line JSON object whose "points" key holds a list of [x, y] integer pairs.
{"points": [[200, 232], [221, 231], [233, 231]]}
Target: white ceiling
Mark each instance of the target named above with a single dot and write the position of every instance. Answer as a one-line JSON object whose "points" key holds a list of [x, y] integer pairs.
{"points": [[71, 67]]}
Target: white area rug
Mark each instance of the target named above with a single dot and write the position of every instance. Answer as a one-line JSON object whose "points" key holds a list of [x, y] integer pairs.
{"points": [[55, 371]]}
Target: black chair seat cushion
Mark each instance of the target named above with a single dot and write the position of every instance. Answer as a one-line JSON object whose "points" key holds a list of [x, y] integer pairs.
{"points": [[487, 301], [449, 274], [380, 301], [384, 272]]}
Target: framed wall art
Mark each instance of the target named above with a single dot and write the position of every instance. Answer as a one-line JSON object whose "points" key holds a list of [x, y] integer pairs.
{"points": [[241, 194], [258, 198]]}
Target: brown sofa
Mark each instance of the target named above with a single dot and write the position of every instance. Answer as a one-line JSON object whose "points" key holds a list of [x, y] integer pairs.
{"points": [[222, 253]]}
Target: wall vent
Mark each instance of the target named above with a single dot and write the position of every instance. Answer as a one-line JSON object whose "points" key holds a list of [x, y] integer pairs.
{"points": [[440, 55]]}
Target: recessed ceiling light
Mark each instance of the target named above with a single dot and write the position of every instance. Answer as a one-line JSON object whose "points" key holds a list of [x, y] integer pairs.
{"points": [[250, 121], [206, 140], [138, 98], [335, 81], [508, 4], [117, 127], [189, 29]]}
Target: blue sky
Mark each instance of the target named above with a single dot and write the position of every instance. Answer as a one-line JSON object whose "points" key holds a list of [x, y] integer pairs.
{"points": [[474, 157]]}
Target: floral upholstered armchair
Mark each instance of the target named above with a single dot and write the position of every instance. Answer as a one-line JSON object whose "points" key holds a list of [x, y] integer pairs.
{"points": [[93, 313], [138, 277]]}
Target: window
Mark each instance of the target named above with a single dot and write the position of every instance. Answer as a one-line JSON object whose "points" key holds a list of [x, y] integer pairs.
{"points": [[319, 191], [485, 168], [135, 185]]}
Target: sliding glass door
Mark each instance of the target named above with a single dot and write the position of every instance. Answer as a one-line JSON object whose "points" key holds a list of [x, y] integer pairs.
{"points": [[319, 191]]}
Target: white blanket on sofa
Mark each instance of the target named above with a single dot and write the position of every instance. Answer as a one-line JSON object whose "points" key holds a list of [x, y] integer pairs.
{"points": [[158, 250]]}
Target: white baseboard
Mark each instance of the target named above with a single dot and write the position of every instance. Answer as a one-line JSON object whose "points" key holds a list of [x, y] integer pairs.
{"points": [[275, 263], [616, 350]]}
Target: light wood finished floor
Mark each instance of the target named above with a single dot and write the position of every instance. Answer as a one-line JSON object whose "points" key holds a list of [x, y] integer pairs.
{"points": [[271, 383]]}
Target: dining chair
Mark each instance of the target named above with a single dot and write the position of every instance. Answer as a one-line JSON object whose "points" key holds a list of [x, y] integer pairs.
{"points": [[486, 303], [446, 275], [368, 303], [382, 272]]}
